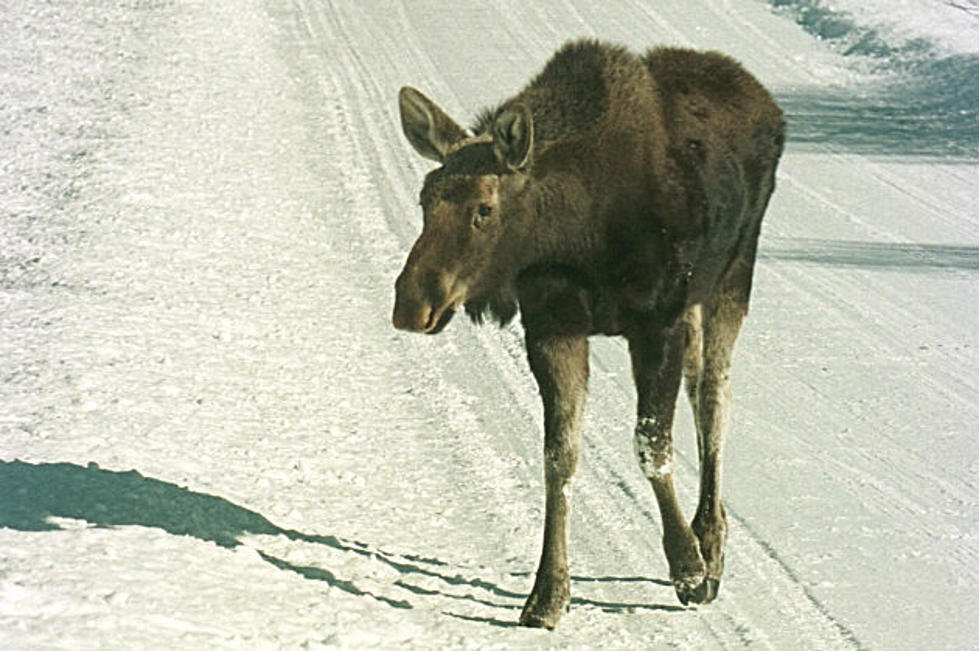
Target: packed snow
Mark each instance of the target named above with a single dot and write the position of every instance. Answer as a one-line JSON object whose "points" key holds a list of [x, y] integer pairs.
{"points": [[211, 436]]}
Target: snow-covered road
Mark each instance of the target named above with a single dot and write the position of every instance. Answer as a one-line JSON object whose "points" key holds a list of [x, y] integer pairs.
{"points": [[211, 437]]}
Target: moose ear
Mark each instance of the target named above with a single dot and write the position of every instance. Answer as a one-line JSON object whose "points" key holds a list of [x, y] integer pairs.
{"points": [[429, 130], [513, 136]]}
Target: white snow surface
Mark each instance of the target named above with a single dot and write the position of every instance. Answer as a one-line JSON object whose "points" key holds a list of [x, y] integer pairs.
{"points": [[211, 436]]}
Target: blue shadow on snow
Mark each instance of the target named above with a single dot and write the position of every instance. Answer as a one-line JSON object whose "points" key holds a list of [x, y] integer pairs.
{"points": [[34, 493], [924, 102]]}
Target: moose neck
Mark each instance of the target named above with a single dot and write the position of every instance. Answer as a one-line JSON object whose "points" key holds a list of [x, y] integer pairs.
{"points": [[558, 229]]}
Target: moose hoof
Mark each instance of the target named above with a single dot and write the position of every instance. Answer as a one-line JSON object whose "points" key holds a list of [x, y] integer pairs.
{"points": [[708, 590], [538, 620], [686, 587], [696, 590], [543, 613]]}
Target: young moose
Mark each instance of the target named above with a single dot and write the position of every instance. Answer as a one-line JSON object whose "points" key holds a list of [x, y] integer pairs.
{"points": [[615, 195]]}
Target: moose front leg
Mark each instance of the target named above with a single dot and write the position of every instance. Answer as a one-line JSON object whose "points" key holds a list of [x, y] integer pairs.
{"points": [[556, 318], [657, 363], [560, 365]]}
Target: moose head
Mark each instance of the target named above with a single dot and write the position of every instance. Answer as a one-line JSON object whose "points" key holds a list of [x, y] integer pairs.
{"points": [[473, 211]]}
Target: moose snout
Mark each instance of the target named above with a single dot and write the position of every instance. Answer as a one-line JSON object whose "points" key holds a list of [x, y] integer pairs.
{"points": [[422, 302], [411, 321]]}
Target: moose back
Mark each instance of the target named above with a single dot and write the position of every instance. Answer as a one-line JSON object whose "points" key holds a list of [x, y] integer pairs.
{"points": [[615, 194]]}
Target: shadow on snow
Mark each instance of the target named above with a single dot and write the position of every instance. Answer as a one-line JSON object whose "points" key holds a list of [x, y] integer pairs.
{"points": [[931, 109], [871, 255], [924, 102], [34, 493]]}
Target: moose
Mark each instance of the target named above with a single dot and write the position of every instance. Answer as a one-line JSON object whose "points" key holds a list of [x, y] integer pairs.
{"points": [[618, 195]]}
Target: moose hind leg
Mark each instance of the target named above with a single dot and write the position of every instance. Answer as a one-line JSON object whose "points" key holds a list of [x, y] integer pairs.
{"points": [[721, 327], [560, 365], [657, 361]]}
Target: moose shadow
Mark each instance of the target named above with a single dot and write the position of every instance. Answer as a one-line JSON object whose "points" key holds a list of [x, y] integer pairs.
{"points": [[32, 493]]}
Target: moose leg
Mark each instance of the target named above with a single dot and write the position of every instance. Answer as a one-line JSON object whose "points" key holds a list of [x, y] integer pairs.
{"points": [[693, 360], [721, 325], [560, 364], [657, 363]]}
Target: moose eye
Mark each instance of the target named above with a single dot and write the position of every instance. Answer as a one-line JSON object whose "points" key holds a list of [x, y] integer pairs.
{"points": [[483, 213]]}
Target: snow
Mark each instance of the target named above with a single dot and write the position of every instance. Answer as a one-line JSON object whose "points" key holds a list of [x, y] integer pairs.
{"points": [[653, 451], [211, 436], [946, 25]]}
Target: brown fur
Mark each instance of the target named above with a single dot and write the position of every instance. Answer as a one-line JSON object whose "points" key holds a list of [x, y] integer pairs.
{"points": [[617, 195]]}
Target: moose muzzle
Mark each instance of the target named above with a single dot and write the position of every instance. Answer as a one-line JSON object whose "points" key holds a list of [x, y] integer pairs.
{"points": [[424, 301]]}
